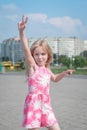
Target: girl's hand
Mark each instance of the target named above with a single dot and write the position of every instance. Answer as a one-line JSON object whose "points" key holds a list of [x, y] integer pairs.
{"points": [[69, 72], [22, 24]]}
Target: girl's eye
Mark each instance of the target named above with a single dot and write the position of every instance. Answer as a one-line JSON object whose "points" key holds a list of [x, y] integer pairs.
{"points": [[36, 54], [42, 53]]}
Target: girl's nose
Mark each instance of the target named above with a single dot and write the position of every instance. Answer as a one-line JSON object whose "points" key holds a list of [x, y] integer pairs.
{"points": [[39, 56]]}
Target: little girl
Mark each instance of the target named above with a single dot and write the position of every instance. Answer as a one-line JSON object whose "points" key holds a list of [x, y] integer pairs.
{"points": [[37, 109]]}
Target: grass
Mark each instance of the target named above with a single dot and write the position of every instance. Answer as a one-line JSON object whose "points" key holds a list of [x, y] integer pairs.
{"points": [[55, 70], [80, 71]]}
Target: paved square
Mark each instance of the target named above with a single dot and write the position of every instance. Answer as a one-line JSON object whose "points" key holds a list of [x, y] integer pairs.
{"points": [[69, 100]]}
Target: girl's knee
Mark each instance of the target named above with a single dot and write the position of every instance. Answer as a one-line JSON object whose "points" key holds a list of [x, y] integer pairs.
{"points": [[54, 127]]}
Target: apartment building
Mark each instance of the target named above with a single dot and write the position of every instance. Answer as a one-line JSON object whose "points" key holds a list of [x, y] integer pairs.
{"points": [[12, 49], [85, 45], [60, 46], [70, 46]]}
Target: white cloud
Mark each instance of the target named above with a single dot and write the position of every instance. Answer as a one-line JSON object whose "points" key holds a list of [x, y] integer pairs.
{"points": [[66, 24], [38, 17], [46, 26], [12, 17], [9, 12], [9, 7]]}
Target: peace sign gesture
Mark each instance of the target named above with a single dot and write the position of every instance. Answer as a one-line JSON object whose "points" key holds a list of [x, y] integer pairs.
{"points": [[22, 24]]}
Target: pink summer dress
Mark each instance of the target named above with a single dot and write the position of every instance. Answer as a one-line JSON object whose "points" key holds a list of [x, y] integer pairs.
{"points": [[37, 108]]}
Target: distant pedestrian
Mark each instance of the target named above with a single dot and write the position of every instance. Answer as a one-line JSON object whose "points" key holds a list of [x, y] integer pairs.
{"points": [[38, 111]]}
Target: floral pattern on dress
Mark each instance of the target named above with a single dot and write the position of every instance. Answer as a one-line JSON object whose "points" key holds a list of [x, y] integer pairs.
{"points": [[37, 108]]}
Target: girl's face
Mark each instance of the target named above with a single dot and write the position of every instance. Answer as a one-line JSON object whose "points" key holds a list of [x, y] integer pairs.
{"points": [[40, 56]]}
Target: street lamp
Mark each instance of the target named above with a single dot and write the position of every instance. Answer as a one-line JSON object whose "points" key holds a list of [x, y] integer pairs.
{"points": [[73, 59], [12, 42]]}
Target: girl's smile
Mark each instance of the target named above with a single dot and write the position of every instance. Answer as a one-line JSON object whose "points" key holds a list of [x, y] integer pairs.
{"points": [[40, 56]]}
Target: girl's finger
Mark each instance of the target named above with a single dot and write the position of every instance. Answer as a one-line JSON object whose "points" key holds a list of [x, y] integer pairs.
{"points": [[19, 24], [23, 18], [26, 20]]}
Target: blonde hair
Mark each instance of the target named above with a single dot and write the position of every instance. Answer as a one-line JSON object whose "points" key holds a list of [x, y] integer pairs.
{"points": [[44, 44]]}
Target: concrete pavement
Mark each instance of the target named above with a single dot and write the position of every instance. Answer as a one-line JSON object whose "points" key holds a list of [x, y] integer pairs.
{"points": [[69, 100]]}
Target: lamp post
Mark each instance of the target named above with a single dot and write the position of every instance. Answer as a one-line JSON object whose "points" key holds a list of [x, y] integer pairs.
{"points": [[57, 47], [73, 59], [12, 52], [57, 53]]}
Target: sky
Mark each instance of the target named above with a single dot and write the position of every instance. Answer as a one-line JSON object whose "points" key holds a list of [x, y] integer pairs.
{"points": [[46, 18]]}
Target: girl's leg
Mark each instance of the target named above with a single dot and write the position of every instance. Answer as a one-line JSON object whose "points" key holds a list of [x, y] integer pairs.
{"points": [[34, 129], [54, 127]]}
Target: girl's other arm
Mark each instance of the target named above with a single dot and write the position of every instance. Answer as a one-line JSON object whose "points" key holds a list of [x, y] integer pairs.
{"points": [[28, 57], [58, 77]]}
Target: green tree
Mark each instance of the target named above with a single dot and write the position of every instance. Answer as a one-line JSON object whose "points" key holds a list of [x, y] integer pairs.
{"points": [[64, 60], [79, 62], [84, 54], [7, 58], [54, 58]]}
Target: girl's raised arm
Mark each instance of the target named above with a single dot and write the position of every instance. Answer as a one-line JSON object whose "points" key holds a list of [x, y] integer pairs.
{"points": [[28, 57]]}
